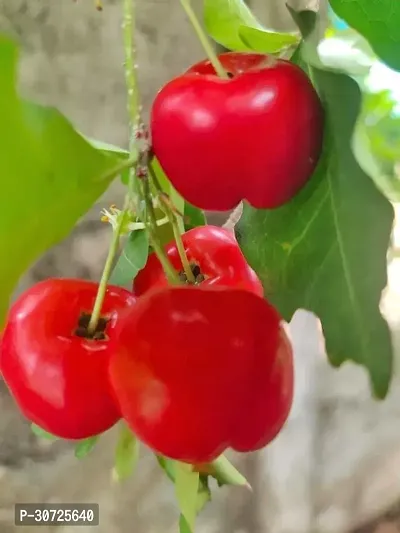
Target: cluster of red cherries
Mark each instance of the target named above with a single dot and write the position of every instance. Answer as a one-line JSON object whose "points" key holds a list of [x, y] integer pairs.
{"points": [[200, 367]]}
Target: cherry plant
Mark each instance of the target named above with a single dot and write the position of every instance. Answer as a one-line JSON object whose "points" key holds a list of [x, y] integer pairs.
{"points": [[313, 175]]}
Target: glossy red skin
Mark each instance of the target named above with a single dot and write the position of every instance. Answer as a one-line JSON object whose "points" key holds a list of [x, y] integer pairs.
{"points": [[60, 381], [200, 370], [257, 136], [217, 253]]}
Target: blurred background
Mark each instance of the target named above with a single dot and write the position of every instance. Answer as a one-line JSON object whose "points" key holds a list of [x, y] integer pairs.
{"points": [[336, 466]]}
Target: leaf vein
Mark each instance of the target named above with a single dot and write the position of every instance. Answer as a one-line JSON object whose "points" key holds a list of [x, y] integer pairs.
{"points": [[348, 278]]}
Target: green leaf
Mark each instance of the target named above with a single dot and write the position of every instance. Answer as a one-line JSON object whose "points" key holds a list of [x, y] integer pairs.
{"points": [[170, 468], [50, 177], [168, 465], [111, 149], [266, 41], [186, 489], [41, 433], [107, 147], [85, 446], [306, 20], [194, 217], [126, 455], [132, 259], [376, 143], [183, 525], [325, 251], [232, 24], [378, 22], [227, 474]]}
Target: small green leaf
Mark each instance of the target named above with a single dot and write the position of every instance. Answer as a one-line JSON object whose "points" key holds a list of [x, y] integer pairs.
{"points": [[85, 446], [378, 22], [126, 455], [132, 259], [232, 24], [168, 465], [50, 177], [194, 217], [183, 525], [186, 489], [227, 474], [203, 494], [267, 41], [39, 432]]}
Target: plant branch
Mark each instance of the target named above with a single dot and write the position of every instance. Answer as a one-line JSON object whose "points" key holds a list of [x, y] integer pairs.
{"points": [[134, 108], [205, 42], [131, 163]]}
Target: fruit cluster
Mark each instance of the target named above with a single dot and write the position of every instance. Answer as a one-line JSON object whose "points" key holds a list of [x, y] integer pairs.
{"points": [[201, 366], [192, 369]]}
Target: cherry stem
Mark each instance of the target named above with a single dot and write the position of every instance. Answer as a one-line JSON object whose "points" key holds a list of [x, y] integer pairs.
{"points": [[175, 228], [131, 163], [205, 42], [101, 292], [169, 270]]}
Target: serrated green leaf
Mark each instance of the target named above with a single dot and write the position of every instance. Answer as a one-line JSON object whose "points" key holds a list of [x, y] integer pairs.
{"points": [[194, 217], [50, 177], [126, 455], [85, 446], [325, 251], [39, 432], [232, 24], [186, 489], [378, 22], [132, 259]]}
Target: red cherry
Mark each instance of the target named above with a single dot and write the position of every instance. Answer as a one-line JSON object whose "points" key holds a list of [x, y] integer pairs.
{"points": [[58, 378], [216, 254], [200, 370], [256, 136]]}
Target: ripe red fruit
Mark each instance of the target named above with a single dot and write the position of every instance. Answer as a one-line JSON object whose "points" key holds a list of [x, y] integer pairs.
{"points": [[217, 256], [200, 370], [256, 136], [58, 378]]}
